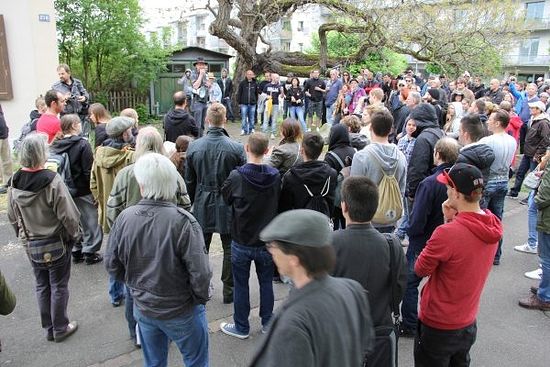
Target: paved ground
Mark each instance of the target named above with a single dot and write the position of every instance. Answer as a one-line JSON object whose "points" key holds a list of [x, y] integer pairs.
{"points": [[508, 335]]}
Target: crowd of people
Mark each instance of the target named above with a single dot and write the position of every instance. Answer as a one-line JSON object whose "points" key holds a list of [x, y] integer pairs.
{"points": [[422, 165]]}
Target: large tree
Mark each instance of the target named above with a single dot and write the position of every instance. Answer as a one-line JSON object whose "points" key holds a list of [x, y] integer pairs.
{"points": [[102, 42], [452, 34]]}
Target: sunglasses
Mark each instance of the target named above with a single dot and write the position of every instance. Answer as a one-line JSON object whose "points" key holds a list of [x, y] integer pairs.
{"points": [[400, 85], [408, 80]]}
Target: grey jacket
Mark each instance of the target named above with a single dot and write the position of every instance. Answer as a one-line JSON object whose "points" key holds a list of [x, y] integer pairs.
{"points": [[326, 323], [158, 250], [210, 160], [43, 202], [284, 156]]}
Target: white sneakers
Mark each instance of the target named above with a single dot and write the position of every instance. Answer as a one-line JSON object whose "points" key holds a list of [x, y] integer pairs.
{"points": [[526, 248], [535, 274], [272, 137]]}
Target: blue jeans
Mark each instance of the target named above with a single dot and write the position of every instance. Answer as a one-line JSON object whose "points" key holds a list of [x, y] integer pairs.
{"points": [[274, 115], [116, 289], [297, 113], [189, 332], [544, 255], [409, 307], [493, 198], [532, 220], [241, 257], [129, 312], [330, 114], [404, 225], [527, 164], [248, 111]]}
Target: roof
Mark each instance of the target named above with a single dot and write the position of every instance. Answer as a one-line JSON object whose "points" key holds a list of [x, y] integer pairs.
{"points": [[191, 53]]}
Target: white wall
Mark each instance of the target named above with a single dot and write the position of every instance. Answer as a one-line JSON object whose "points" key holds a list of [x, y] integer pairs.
{"points": [[33, 57]]}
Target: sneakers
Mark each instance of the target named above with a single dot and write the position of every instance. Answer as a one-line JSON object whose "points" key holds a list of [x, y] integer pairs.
{"points": [[524, 201], [71, 328], [272, 137], [252, 131], [242, 133], [91, 259], [526, 248], [534, 303], [535, 274], [231, 330], [265, 328], [3, 189], [512, 194], [77, 257]]}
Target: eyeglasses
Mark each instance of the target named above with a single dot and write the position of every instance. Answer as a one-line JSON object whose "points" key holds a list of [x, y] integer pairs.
{"points": [[400, 85]]}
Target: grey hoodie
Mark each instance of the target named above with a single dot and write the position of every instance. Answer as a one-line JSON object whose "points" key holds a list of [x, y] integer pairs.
{"points": [[375, 158]]}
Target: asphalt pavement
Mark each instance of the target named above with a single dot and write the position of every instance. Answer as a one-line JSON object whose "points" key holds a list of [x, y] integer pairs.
{"points": [[508, 335]]}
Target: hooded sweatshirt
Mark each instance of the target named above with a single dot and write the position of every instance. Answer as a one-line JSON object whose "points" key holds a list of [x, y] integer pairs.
{"points": [[458, 258], [81, 159], [178, 122], [339, 143], [538, 136], [376, 159], [44, 203], [252, 191]]}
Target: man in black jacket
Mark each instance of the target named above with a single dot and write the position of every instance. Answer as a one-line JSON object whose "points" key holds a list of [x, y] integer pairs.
{"points": [[252, 191], [178, 121], [5, 153], [247, 95], [363, 254], [312, 180], [226, 85], [210, 160], [480, 155]]}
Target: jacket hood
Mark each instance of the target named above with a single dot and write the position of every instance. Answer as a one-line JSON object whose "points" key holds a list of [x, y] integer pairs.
{"points": [[425, 116], [515, 122], [261, 176], [60, 146], [27, 185], [108, 157], [487, 227], [34, 114], [339, 136], [386, 155], [315, 171], [480, 155], [542, 116], [177, 116]]}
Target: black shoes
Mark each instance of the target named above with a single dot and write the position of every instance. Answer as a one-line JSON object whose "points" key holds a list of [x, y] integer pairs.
{"points": [[3, 189], [71, 328], [93, 258], [77, 257]]}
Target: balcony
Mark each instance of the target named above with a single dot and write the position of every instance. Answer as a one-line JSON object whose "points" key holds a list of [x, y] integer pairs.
{"points": [[526, 60], [538, 24]]}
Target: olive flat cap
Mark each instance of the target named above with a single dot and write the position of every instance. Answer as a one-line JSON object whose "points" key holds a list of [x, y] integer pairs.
{"points": [[118, 125], [301, 227]]}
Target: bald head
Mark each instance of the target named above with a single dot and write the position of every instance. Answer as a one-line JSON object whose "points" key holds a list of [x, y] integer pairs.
{"points": [[180, 99]]}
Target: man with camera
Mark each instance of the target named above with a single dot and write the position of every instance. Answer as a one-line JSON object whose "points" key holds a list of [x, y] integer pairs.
{"points": [[76, 96]]}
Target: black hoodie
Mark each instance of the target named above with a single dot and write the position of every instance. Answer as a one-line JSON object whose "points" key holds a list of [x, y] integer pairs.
{"points": [[314, 174], [178, 122], [252, 191], [479, 155], [81, 158], [339, 143], [427, 134]]}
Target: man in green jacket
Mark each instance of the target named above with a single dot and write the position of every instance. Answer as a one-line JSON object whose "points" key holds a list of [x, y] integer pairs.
{"points": [[540, 296]]}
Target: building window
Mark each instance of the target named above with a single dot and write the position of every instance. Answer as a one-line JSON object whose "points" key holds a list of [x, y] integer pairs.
{"points": [[201, 23], [201, 42], [182, 33], [534, 10], [301, 26], [286, 46], [287, 26], [301, 46], [529, 49]]}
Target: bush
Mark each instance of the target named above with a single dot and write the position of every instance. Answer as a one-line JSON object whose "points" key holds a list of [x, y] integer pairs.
{"points": [[143, 112]]}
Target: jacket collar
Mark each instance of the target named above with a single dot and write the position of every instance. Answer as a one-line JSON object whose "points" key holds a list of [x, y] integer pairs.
{"points": [[217, 131], [153, 202]]}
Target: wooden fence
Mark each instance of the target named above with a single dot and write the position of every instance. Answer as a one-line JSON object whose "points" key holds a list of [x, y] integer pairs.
{"points": [[116, 101]]}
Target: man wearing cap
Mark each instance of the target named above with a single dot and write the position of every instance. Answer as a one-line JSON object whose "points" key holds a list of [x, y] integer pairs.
{"points": [[187, 87], [536, 142], [199, 78], [215, 94], [457, 258], [304, 332]]}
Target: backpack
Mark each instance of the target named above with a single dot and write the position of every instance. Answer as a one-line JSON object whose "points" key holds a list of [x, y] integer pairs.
{"points": [[61, 164], [317, 202], [390, 200], [25, 130], [342, 174]]}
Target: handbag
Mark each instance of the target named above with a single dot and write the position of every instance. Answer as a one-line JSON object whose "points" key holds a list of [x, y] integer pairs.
{"points": [[532, 180], [46, 252]]}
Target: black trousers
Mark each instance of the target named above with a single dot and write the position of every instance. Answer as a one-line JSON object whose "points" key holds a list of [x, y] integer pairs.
{"points": [[443, 348], [227, 275]]}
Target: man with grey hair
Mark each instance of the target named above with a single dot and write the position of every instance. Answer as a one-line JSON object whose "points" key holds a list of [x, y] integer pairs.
{"points": [[333, 88], [494, 93], [170, 288], [210, 160]]}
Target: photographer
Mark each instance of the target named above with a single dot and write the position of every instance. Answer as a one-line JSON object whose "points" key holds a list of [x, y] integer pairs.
{"points": [[76, 96]]}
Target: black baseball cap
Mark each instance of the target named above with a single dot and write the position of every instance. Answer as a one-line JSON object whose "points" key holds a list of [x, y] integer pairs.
{"points": [[462, 177]]}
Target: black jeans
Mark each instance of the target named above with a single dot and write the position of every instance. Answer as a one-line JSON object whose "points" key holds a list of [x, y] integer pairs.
{"points": [[227, 275], [526, 165], [443, 348]]}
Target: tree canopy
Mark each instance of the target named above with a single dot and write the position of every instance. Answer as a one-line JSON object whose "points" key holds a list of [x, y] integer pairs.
{"points": [[101, 41], [453, 35]]}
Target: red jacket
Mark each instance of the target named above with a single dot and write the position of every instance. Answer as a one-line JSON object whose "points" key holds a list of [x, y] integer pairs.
{"points": [[513, 129], [48, 124], [458, 258]]}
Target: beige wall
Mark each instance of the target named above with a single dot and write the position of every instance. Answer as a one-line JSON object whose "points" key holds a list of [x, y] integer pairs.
{"points": [[32, 49]]}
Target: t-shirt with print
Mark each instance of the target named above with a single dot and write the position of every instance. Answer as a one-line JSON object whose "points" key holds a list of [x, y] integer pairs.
{"points": [[273, 90]]}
